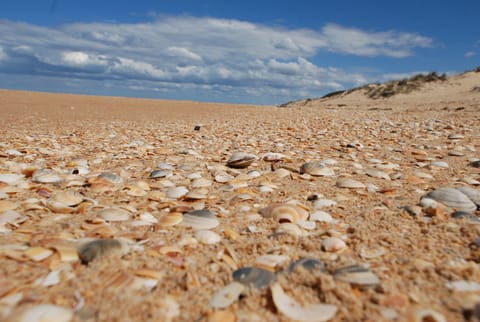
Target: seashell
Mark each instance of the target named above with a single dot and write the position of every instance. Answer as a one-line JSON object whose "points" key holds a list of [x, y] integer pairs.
{"points": [[293, 310], [471, 181], [171, 219], [316, 169], [439, 164], [200, 219], [290, 229], [367, 253], [273, 157], [111, 178], [11, 178], [463, 214], [308, 264], [223, 177], [165, 166], [195, 195], [38, 253], [65, 201], [475, 164], [176, 192], [377, 174], [114, 214], [306, 224], [255, 277], [52, 278], [155, 174], [472, 194], [240, 160], [423, 175], [455, 136], [349, 183], [333, 244], [101, 247], [207, 237], [46, 176], [452, 198], [67, 253], [284, 213], [282, 173], [456, 153], [227, 295], [271, 262], [463, 286], [201, 183], [419, 314], [357, 276], [41, 313], [321, 216], [321, 203], [150, 273]]}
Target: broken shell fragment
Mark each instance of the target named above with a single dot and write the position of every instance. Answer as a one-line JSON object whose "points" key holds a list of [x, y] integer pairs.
{"points": [[227, 295], [240, 160], [293, 310], [255, 277], [357, 276], [101, 247]]}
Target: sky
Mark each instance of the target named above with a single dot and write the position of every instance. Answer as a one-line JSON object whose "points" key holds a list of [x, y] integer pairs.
{"points": [[251, 51]]}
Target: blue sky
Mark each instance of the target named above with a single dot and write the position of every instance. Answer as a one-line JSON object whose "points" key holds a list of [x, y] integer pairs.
{"points": [[257, 52]]}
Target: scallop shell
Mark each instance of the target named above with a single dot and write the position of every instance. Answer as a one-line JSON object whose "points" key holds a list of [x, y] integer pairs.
{"points": [[240, 160], [41, 313], [293, 310], [207, 237], [227, 295], [255, 277], [101, 247], [65, 201], [349, 183], [200, 219], [284, 212], [452, 198], [316, 169]]}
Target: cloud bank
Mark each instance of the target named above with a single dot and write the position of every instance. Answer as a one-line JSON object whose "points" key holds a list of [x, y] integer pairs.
{"points": [[191, 57]]}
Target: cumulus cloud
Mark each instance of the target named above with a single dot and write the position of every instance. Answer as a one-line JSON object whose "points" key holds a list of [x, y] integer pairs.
{"points": [[175, 54]]}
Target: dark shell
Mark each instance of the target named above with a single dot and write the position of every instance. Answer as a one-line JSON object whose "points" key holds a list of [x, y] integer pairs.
{"points": [[308, 264], [253, 276]]}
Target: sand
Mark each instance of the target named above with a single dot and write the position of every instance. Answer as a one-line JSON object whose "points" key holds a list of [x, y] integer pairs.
{"points": [[421, 259]]}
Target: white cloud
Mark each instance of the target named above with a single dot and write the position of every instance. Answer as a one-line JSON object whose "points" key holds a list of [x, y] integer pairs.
{"points": [[469, 54], [197, 54]]}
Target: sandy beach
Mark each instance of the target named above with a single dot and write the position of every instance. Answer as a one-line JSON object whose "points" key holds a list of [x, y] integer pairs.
{"points": [[338, 181]]}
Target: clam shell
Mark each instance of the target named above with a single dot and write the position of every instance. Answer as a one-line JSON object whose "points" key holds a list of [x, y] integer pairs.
{"points": [[111, 177], [472, 194], [377, 174], [293, 310], [101, 247], [284, 212], [255, 277], [207, 237], [114, 214], [290, 229], [316, 169], [69, 198], [223, 177], [356, 275], [349, 183], [321, 216], [240, 160], [272, 157], [158, 174], [200, 219], [176, 192], [171, 219], [227, 295], [452, 198], [11, 178], [41, 313], [46, 176]]}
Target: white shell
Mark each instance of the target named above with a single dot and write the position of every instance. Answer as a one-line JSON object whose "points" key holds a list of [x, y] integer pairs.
{"points": [[452, 198], [294, 311], [114, 214], [10, 178], [46, 176], [176, 192], [227, 295], [349, 183], [333, 244], [41, 313], [207, 237], [321, 216]]}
